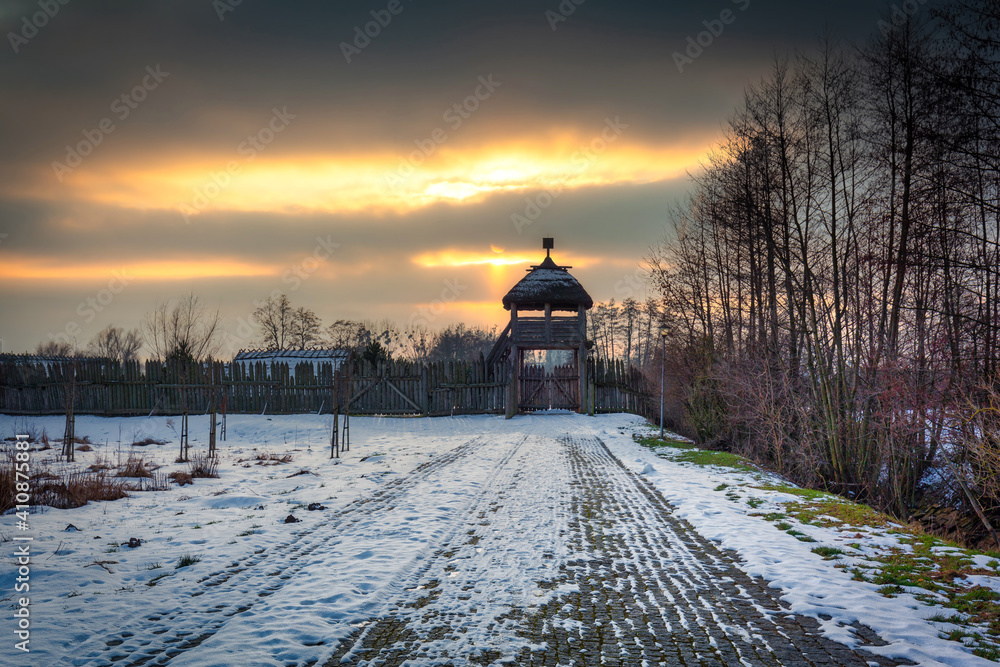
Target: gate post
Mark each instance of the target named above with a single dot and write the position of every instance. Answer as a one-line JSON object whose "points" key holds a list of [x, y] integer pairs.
{"points": [[513, 397]]}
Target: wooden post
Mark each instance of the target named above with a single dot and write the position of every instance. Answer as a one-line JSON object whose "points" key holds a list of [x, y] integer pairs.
{"points": [[214, 409], [184, 413], [512, 381], [336, 402], [515, 364], [425, 394], [69, 435], [225, 405], [346, 443]]}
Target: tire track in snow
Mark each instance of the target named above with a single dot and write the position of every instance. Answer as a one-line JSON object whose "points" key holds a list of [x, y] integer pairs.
{"points": [[652, 591], [158, 638], [627, 583], [461, 608]]}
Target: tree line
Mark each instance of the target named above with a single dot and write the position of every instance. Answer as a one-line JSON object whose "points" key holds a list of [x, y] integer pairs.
{"points": [[831, 289], [187, 330], [625, 331]]}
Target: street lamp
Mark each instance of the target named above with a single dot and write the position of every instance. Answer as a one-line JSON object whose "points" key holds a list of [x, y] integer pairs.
{"points": [[663, 365]]}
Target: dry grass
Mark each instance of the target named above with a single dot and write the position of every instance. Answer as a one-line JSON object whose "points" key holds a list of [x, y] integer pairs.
{"points": [[135, 466], [7, 479], [268, 459], [202, 465], [145, 442], [76, 489], [180, 477], [85, 440]]}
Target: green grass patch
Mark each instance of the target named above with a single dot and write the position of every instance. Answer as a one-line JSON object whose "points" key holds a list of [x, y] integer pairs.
{"points": [[987, 653], [655, 443], [250, 531], [755, 502], [976, 609], [689, 453], [707, 457], [186, 560], [800, 536], [155, 580], [828, 553], [822, 509]]}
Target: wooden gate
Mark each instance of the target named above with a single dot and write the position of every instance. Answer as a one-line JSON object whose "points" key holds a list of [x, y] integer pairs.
{"points": [[555, 389]]}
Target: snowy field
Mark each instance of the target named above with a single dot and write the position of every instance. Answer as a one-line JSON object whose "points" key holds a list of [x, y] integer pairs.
{"points": [[219, 577]]}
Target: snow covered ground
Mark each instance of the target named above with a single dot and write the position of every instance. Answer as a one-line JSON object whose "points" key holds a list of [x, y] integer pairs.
{"points": [[416, 502]]}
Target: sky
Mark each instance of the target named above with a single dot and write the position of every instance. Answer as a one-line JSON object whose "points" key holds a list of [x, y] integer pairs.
{"points": [[390, 159]]}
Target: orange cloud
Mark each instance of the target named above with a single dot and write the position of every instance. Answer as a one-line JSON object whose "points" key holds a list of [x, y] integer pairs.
{"points": [[157, 270], [413, 178]]}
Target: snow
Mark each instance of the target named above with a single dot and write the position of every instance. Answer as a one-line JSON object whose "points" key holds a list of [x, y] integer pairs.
{"points": [[313, 582], [812, 586]]}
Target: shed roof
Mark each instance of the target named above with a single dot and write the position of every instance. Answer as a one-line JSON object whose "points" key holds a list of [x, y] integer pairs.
{"points": [[548, 283], [291, 355]]}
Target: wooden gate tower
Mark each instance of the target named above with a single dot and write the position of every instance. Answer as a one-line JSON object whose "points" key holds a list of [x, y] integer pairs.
{"points": [[548, 311]]}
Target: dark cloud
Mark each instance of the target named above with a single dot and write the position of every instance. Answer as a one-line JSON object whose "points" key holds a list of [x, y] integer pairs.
{"points": [[226, 75]]}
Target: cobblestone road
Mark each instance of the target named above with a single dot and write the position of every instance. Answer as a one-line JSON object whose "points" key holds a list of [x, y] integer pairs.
{"points": [[628, 584]]}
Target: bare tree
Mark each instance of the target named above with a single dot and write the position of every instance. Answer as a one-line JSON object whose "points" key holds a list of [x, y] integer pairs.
{"points": [[304, 331], [461, 343], [116, 343], [346, 335], [185, 331], [54, 348], [274, 319]]}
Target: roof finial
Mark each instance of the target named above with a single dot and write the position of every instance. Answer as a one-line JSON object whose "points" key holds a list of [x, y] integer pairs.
{"points": [[547, 244]]}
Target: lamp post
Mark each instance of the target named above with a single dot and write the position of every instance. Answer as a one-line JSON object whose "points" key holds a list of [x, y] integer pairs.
{"points": [[663, 366]]}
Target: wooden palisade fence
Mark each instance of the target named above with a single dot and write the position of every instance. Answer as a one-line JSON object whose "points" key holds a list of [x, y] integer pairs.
{"points": [[29, 386]]}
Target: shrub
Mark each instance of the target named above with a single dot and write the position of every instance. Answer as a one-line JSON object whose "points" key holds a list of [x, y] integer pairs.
{"points": [[180, 477], [203, 466], [76, 489], [135, 466]]}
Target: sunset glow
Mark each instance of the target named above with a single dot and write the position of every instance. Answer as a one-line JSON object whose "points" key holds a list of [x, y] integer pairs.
{"points": [[238, 154], [341, 183], [156, 270]]}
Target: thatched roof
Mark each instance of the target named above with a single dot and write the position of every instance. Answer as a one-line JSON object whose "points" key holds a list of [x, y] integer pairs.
{"points": [[548, 283]]}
